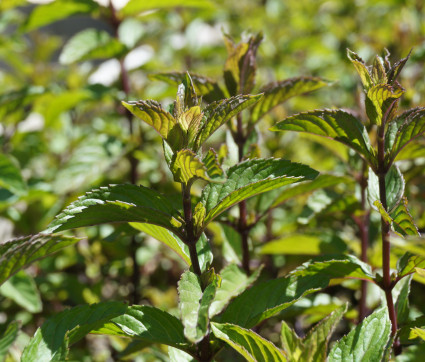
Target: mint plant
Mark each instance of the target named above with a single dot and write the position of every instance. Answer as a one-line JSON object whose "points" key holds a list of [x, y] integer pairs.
{"points": [[386, 185]]}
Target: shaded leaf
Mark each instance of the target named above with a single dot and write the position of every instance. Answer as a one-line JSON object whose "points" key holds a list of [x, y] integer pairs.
{"points": [[57, 10], [394, 188], [119, 203], [401, 294], [233, 282], [10, 176], [19, 253], [278, 92], [218, 113], [336, 124], [205, 87], [22, 289], [250, 178], [367, 342], [248, 343], [7, 338]]}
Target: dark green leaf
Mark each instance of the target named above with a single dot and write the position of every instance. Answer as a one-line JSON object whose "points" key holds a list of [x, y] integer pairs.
{"points": [[218, 113], [250, 178], [233, 282], [10, 176], [248, 343], [91, 44], [57, 10], [367, 342], [22, 289], [7, 338], [120, 203], [401, 296], [397, 68], [205, 87], [19, 253], [278, 92], [336, 124], [49, 341]]}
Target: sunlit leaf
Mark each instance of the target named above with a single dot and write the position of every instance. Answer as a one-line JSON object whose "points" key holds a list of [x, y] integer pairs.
{"points": [[408, 263], [119, 203], [381, 96], [361, 68], [19, 253], [57, 10], [187, 167], [218, 113], [251, 178], [248, 343], [135, 7], [417, 333], [336, 124], [210, 161], [367, 342], [22, 289], [91, 44], [278, 92]]}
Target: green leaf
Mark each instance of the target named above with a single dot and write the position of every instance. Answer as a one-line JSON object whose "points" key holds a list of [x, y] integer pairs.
{"points": [[408, 263], [187, 167], [381, 97], [397, 68], [394, 188], [60, 9], [278, 92], [205, 87], [219, 112], [49, 341], [367, 342], [317, 340], [146, 323], [401, 294], [177, 355], [250, 178], [135, 7], [248, 343], [7, 338], [265, 299], [379, 75], [322, 181], [120, 203], [10, 176], [417, 333], [210, 161], [194, 305], [91, 44], [361, 68], [19, 253], [10, 4], [233, 282], [155, 116], [291, 343], [403, 130], [22, 289], [336, 124]]}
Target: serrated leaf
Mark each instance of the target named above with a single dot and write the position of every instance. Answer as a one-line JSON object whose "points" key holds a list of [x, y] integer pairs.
{"points": [[291, 343], [367, 342], [408, 263], [10, 176], [22, 289], [336, 124], [7, 338], [394, 188], [278, 92], [212, 164], [250, 178], [187, 167], [265, 299], [397, 68], [120, 203], [162, 121], [219, 112], [361, 68], [19, 253], [233, 282], [194, 305], [380, 98], [91, 44], [379, 75], [45, 14], [317, 340], [134, 7], [198, 217], [404, 129], [190, 97], [205, 87], [49, 342], [248, 343]]}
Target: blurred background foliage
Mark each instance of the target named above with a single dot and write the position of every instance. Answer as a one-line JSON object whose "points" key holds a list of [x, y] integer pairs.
{"points": [[66, 65]]}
